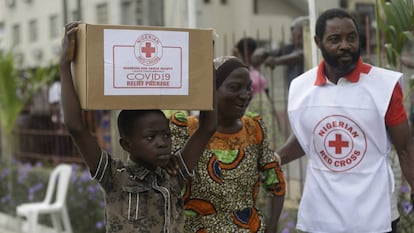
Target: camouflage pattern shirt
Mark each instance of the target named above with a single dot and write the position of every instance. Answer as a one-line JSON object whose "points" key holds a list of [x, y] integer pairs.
{"points": [[139, 200]]}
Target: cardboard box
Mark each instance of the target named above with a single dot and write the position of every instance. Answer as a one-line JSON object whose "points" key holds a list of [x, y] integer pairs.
{"points": [[138, 67]]}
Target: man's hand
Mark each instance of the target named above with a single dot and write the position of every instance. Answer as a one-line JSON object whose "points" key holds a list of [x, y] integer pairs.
{"points": [[271, 62]]}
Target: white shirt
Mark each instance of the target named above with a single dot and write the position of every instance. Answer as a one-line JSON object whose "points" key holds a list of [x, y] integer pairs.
{"points": [[342, 130]]}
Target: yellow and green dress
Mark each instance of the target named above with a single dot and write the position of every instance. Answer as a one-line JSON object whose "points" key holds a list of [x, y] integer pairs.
{"points": [[221, 197]]}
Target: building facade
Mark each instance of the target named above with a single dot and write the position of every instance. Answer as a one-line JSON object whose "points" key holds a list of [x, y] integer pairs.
{"points": [[32, 29]]}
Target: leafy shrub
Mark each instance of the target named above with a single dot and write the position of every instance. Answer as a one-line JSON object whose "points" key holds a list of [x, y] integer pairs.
{"points": [[405, 207], [84, 199]]}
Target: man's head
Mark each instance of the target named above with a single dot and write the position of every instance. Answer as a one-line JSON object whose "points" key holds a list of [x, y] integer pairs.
{"points": [[145, 135], [296, 30], [337, 36]]}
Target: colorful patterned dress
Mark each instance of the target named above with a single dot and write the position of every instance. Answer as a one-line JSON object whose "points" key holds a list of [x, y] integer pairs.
{"points": [[221, 197]]}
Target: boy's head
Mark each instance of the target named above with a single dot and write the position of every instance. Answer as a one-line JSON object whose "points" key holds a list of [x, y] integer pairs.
{"points": [[145, 135]]}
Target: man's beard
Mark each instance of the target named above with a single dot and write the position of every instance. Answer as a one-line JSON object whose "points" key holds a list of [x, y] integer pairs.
{"points": [[339, 68]]}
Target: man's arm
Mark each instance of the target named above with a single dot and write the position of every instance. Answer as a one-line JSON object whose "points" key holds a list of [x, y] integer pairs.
{"points": [[290, 150], [85, 142], [276, 207], [407, 61], [295, 57], [404, 145]]}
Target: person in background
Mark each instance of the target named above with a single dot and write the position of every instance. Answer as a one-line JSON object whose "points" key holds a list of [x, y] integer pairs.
{"points": [[345, 116], [54, 103], [248, 51], [222, 194], [290, 55], [140, 195]]}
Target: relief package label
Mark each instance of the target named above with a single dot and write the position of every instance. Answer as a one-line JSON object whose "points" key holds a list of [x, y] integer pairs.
{"points": [[146, 62]]}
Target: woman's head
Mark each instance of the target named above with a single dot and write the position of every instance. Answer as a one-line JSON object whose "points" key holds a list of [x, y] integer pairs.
{"points": [[146, 136], [234, 87]]}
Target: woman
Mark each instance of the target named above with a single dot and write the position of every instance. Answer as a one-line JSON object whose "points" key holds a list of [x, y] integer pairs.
{"points": [[221, 195]]}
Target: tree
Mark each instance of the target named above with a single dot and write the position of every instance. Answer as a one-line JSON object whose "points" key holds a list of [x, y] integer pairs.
{"points": [[397, 24], [15, 92]]}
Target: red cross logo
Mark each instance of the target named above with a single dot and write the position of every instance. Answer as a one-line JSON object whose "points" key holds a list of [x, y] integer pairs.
{"points": [[338, 144], [148, 49]]}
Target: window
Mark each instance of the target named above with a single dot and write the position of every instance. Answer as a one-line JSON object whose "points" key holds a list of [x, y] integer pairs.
{"points": [[365, 17], [255, 7], [1, 28], [33, 31], [54, 26], [139, 12], [102, 15], [2, 34], [16, 34], [75, 15], [127, 13]]}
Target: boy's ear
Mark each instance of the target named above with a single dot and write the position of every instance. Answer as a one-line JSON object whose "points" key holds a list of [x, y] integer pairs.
{"points": [[125, 144]]}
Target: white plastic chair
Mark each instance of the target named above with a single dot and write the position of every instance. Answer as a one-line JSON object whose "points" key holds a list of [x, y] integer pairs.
{"points": [[58, 183]]}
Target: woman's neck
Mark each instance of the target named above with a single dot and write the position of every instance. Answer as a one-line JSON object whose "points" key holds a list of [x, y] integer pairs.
{"points": [[229, 126]]}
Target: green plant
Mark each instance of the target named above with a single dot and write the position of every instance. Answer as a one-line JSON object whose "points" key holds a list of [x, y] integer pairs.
{"points": [[15, 92], [287, 221], [405, 207], [397, 24], [84, 200]]}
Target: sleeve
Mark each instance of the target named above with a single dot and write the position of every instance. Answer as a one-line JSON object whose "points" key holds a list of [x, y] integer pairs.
{"points": [[181, 128], [273, 178], [396, 112], [105, 171]]}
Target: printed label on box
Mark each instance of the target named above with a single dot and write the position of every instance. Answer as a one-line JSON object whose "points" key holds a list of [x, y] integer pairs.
{"points": [[143, 62]]}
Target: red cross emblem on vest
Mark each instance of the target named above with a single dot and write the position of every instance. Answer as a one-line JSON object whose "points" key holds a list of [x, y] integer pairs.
{"points": [[338, 144]]}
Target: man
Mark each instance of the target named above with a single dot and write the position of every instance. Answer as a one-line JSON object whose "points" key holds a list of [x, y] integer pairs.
{"points": [[290, 55], [344, 115], [409, 63]]}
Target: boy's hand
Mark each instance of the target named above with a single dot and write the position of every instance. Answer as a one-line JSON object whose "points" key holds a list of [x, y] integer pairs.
{"points": [[69, 42], [172, 166]]}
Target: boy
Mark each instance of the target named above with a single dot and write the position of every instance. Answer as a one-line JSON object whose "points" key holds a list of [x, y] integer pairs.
{"points": [[139, 195]]}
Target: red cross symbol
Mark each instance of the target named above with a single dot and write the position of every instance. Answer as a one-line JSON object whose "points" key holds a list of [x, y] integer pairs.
{"points": [[338, 144], [148, 49]]}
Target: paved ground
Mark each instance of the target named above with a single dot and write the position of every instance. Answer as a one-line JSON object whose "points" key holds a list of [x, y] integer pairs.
{"points": [[8, 224]]}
